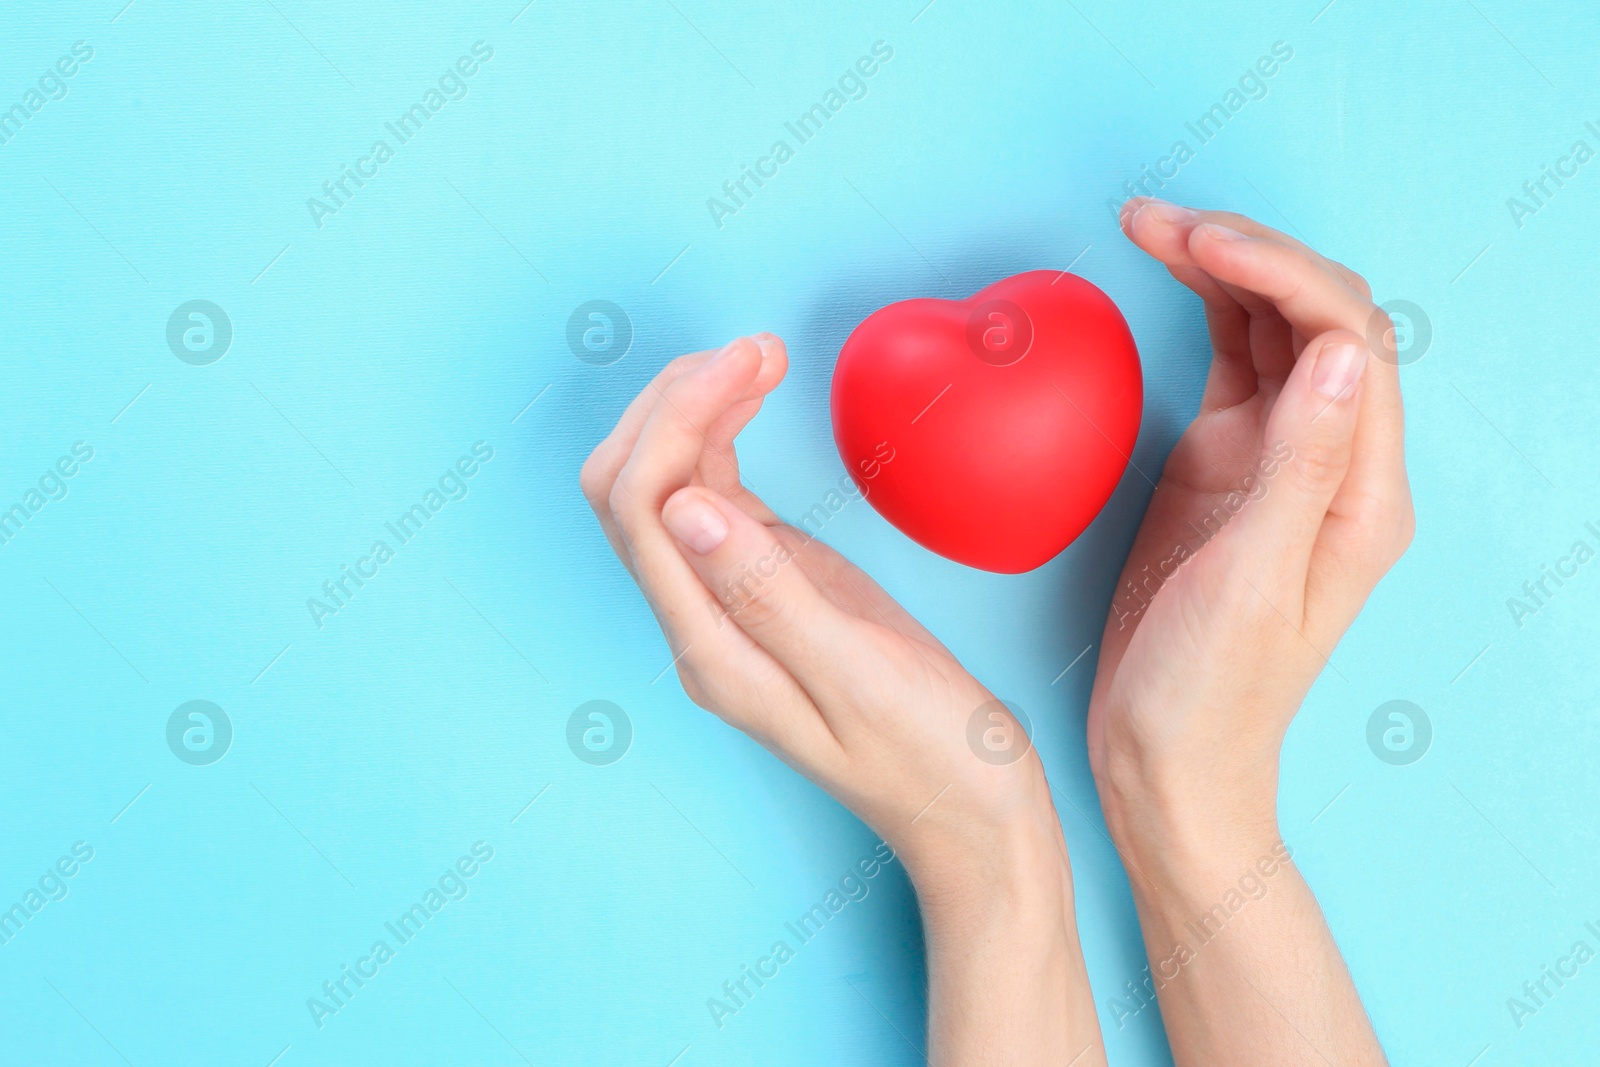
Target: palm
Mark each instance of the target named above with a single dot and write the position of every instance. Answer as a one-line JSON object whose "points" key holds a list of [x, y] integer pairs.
{"points": [[1216, 457]]}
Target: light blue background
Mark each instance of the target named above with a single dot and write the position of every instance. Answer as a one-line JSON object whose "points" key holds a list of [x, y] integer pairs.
{"points": [[427, 314]]}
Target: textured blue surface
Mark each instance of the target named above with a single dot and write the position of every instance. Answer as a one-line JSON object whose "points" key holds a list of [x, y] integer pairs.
{"points": [[373, 351]]}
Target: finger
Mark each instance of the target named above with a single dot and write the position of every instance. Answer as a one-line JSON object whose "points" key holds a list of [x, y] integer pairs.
{"points": [[1257, 338], [1161, 230], [1184, 219], [852, 589], [1299, 284], [1370, 525], [719, 465], [1306, 453], [606, 462], [753, 574], [722, 669], [1315, 299], [1370, 519], [1165, 230], [1156, 227], [1246, 225], [677, 432], [600, 470], [1351, 556], [664, 458]]}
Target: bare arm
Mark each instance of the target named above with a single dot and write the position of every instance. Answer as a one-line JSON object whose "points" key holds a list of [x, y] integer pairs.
{"points": [[785, 640], [1281, 507], [1240, 956]]}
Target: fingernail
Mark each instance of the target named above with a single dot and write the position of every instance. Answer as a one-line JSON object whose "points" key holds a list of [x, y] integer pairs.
{"points": [[1169, 212], [697, 524], [1222, 233], [1338, 369], [765, 341], [722, 352], [1130, 207]]}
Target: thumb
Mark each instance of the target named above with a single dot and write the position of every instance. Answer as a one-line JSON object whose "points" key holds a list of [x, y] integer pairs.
{"points": [[1306, 454], [763, 591]]}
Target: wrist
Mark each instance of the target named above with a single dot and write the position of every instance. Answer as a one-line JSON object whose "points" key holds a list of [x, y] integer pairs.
{"points": [[1182, 776], [1013, 903], [1188, 814], [1177, 856], [992, 865]]}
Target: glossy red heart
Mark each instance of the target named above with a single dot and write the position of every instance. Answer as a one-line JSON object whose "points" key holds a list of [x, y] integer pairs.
{"points": [[991, 430]]}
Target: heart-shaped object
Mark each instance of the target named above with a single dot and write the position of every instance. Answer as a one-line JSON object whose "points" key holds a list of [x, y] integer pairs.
{"points": [[991, 430]]}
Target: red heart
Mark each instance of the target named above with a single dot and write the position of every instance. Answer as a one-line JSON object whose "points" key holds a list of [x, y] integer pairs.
{"points": [[991, 430]]}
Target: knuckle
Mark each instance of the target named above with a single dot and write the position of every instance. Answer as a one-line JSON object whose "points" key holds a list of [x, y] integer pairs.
{"points": [[1246, 225], [1365, 558], [1382, 530], [678, 365], [709, 686], [593, 479], [757, 602], [1298, 273], [1383, 336], [694, 688], [676, 397], [1318, 462], [1231, 219], [675, 372], [621, 501], [1404, 531]]}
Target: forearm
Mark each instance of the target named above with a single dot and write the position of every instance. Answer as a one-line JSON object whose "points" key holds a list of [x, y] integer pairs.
{"points": [[1278, 511], [1007, 982], [1241, 958]]}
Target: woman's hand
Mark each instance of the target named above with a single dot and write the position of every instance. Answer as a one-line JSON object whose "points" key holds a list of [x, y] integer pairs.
{"points": [[779, 635], [1283, 504], [1280, 508], [782, 638]]}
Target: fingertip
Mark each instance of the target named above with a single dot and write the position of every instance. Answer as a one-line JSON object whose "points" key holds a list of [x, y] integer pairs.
{"points": [[1153, 213], [1167, 212], [1130, 208], [1338, 365], [1162, 230], [774, 363], [1145, 231], [736, 363], [740, 350], [692, 516]]}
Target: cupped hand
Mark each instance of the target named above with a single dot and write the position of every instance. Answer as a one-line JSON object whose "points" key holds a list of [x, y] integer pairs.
{"points": [[784, 639], [1281, 507]]}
